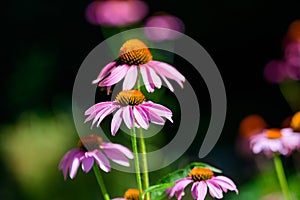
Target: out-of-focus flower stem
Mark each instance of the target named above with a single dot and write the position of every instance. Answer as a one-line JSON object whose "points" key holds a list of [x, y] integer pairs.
{"points": [[136, 161], [281, 177], [101, 182]]}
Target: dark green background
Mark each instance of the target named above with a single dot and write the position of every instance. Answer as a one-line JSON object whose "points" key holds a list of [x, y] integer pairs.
{"points": [[43, 44]]}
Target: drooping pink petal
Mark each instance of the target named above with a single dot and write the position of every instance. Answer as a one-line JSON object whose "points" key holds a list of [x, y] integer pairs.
{"points": [[199, 190], [108, 89], [156, 80], [149, 75], [141, 117], [103, 113], [156, 119], [202, 190], [101, 160], [105, 72], [63, 162], [128, 116], [116, 122], [87, 164], [152, 116], [106, 113], [167, 82], [214, 189], [130, 78], [122, 149], [194, 190], [179, 187], [158, 109], [225, 183], [75, 164], [66, 161], [116, 75], [147, 80], [117, 156], [168, 71], [97, 107]]}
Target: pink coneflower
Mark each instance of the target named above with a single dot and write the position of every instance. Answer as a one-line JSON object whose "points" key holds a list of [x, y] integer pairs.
{"points": [[135, 56], [132, 108], [91, 148], [270, 141], [130, 194], [202, 178]]}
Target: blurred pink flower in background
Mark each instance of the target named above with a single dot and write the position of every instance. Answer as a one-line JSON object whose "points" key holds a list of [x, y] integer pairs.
{"points": [[270, 141], [249, 126], [292, 54], [288, 67], [275, 71], [163, 20], [115, 12]]}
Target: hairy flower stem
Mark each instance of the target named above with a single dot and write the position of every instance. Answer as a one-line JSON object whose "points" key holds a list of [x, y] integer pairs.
{"points": [[136, 162], [281, 177], [100, 182], [144, 155], [144, 163]]}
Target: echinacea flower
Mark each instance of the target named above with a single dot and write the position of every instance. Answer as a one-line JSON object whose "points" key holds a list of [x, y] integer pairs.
{"points": [[270, 141], [135, 56], [130, 194], [91, 148], [132, 108], [202, 178]]}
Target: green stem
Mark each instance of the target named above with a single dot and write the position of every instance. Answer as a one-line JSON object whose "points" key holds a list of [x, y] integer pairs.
{"points": [[144, 153], [281, 177], [136, 162], [144, 163], [100, 182]]}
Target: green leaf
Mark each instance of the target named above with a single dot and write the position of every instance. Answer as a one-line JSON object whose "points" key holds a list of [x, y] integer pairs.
{"points": [[202, 165], [158, 187]]}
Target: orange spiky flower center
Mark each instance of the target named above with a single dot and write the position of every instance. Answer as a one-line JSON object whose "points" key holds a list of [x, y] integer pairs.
{"points": [[90, 142], [132, 194], [295, 122], [134, 52], [130, 97], [273, 133], [200, 174]]}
